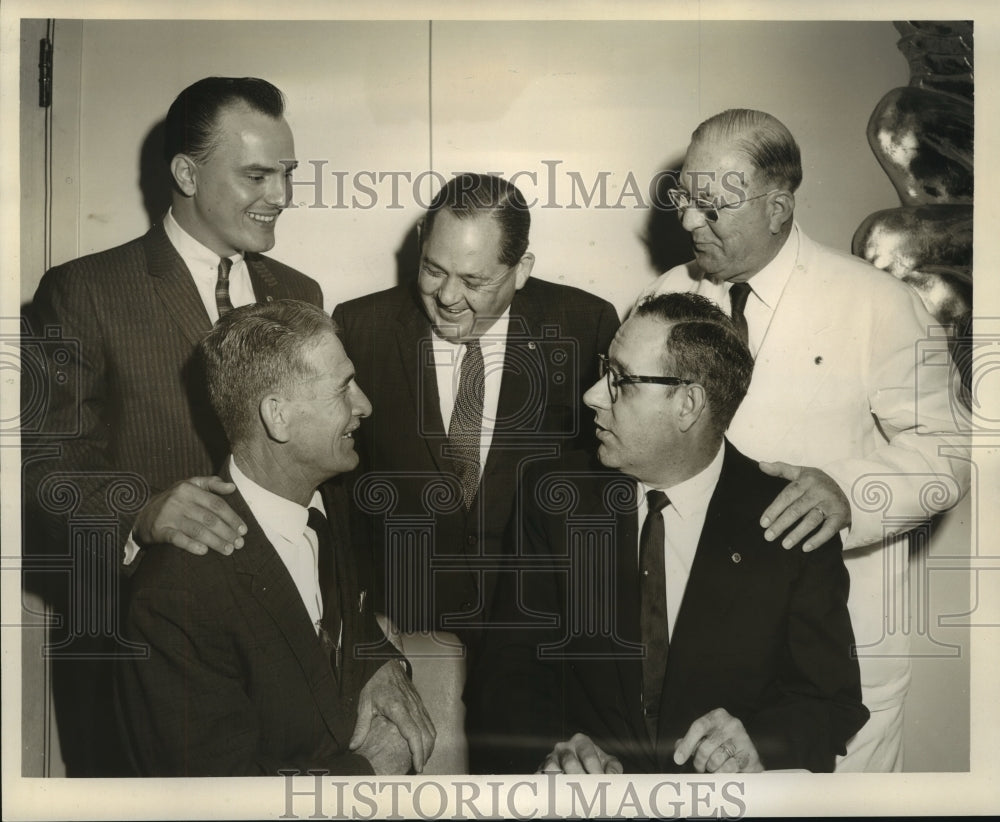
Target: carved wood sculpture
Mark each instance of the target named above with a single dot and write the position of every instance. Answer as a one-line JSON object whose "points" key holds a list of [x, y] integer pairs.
{"points": [[922, 135]]}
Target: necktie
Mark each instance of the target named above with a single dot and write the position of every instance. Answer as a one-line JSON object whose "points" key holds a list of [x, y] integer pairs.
{"points": [[222, 301], [738, 294], [467, 420], [329, 628], [653, 608]]}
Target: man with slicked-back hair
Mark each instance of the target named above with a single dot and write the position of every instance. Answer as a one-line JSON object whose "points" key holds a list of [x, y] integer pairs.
{"points": [[126, 407]]}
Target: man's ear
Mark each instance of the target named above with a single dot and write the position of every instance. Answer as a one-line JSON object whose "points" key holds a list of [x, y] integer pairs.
{"points": [[274, 414], [185, 173], [693, 405], [524, 266], [782, 205]]}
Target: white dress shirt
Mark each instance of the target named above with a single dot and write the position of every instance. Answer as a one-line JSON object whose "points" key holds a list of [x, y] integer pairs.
{"points": [[284, 524], [683, 520], [203, 263], [448, 367]]}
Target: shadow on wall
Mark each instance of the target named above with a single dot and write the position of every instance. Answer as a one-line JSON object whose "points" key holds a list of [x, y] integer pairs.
{"points": [[667, 243], [155, 181], [408, 255]]}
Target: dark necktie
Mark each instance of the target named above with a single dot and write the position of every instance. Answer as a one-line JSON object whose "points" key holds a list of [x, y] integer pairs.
{"points": [[467, 420], [738, 294], [653, 608], [329, 628], [222, 301]]}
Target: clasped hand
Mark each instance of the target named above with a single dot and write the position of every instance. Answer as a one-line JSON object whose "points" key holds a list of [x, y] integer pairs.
{"points": [[393, 725]]}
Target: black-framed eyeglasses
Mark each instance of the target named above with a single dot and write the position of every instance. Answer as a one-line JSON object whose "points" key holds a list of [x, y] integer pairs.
{"points": [[616, 378], [682, 201]]}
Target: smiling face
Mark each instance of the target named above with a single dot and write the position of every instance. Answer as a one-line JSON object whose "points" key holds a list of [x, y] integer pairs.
{"points": [[463, 285], [638, 433], [324, 411], [231, 200], [744, 239]]}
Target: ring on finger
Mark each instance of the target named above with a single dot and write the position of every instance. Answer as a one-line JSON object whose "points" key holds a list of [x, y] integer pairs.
{"points": [[729, 749]]}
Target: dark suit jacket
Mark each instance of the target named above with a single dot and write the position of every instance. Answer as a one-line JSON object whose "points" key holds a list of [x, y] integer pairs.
{"points": [[118, 394], [762, 632], [236, 681], [433, 556]]}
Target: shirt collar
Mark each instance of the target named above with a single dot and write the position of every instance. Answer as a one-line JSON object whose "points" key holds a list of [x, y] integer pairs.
{"points": [[497, 333], [693, 494], [769, 282], [275, 513], [192, 252]]}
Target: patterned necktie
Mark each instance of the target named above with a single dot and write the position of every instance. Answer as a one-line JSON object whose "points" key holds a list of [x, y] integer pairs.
{"points": [[222, 301], [653, 608], [467, 420], [329, 628], [738, 294]]}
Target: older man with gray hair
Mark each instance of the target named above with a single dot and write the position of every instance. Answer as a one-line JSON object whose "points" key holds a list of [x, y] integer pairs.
{"points": [[840, 391]]}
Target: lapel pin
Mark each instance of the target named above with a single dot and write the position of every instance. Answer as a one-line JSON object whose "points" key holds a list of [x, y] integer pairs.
{"points": [[269, 298], [735, 557], [531, 345]]}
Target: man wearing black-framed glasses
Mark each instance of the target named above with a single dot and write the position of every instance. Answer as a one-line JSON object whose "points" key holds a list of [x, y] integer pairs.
{"points": [[651, 628], [842, 392]]}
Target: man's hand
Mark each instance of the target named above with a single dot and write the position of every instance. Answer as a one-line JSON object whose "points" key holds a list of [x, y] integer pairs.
{"points": [[720, 744], [390, 693], [385, 749], [192, 516], [580, 755], [812, 499]]}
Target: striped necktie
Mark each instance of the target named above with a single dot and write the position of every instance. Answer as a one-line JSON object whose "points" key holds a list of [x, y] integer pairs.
{"points": [[467, 420], [222, 301]]}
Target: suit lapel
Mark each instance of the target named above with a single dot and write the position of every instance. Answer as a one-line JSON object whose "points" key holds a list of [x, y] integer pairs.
{"points": [[627, 616], [174, 285], [265, 577], [713, 585], [521, 369], [264, 285], [798, 340], [795, 326], [348, 593]]}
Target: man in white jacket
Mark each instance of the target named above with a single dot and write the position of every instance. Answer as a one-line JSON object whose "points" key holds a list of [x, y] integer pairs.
{"points": [[864, 428]]}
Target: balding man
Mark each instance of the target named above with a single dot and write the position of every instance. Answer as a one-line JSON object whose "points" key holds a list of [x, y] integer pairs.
{"points": [[839, 392]]}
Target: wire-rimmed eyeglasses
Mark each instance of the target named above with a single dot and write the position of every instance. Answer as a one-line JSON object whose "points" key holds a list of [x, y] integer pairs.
{"points": [[682, 201], [616, 378]]}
